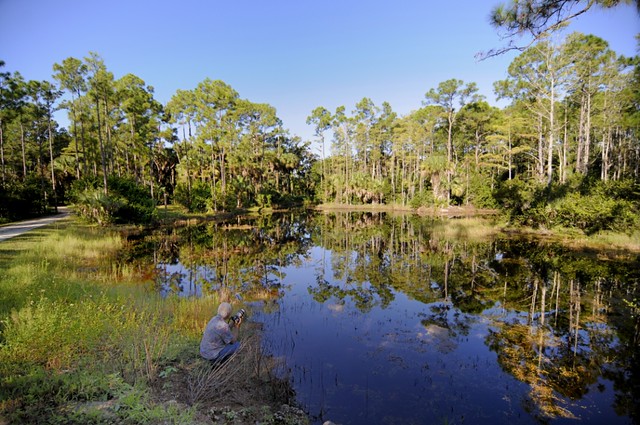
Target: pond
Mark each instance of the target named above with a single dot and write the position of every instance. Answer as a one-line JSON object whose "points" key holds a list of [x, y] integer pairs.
{"points": [[398, 319]]}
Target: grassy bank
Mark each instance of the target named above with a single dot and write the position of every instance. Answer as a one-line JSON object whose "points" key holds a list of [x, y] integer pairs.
{"points": [[84, 339], [473, 222]]}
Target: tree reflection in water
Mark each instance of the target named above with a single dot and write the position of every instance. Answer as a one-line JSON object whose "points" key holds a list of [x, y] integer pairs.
{"points": [[404, 301]]}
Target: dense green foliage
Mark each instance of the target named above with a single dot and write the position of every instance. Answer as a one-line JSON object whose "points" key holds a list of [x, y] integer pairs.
{"points": [[590, 206], [552, 157], [570, 130], [22, 199], [126, 201], [236, 154]]}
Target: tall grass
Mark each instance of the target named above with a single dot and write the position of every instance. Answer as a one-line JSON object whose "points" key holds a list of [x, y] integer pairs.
{"points": [[69, 316], [76, 326], [54, 267], [466, 228]]}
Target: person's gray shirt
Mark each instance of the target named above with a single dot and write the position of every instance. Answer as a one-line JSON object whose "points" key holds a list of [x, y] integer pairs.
{"points": [[216, 335]]}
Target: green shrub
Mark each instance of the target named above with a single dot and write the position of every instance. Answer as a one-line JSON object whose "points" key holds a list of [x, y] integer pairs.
{"points": [[53, 334], [422, 199], [480, 193], [138, 206], [22, 199], [596, 207], [515, 197], [125, 202], [195, 201], [588, 204], [98, 207]]}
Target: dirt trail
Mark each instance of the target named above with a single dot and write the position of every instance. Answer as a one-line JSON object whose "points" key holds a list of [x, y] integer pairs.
{"points": [[18, 228]]}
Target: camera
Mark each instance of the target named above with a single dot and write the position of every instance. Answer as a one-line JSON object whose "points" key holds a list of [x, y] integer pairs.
{"points": [[238, 316]]}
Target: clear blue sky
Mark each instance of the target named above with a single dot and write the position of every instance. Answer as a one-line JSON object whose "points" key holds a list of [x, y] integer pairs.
{"points": [[294, 55]]}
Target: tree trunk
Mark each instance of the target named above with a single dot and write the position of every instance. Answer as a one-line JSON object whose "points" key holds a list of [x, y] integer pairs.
{"points": [[102, 150], [606, 148], [108, 145], [581, 133], [42, 178], [188, 161], [84, 149], [587, 137], [24, 154], [540, 148], [53, 175], [510, 158], [551, 135], [2, 153], [323, 178], [563, 156], [212, 184], [449, 155], [75, 135]]}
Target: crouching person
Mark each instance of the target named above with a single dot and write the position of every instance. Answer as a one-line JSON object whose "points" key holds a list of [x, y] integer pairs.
{"points": [[219, 342]]}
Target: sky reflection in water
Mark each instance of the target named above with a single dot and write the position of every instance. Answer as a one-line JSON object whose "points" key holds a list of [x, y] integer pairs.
{"points": [[359, 354]]}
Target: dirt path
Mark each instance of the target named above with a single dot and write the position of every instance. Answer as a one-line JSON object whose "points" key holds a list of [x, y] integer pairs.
{"points": [[15, 229]]}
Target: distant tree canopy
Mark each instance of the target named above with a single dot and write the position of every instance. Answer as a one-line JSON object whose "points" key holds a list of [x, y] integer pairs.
{"points": [[564, 152], [233, 153], [571, 128], [207, 148]]}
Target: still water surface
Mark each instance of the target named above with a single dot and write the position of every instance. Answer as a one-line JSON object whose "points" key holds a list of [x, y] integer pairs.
{"points": [[385, 319]]}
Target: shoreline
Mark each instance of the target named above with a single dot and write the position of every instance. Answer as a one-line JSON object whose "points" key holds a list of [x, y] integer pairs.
{"points": [[612, 242], [450, 211]]}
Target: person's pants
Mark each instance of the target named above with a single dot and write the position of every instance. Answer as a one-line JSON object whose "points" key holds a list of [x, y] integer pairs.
{"points": [[225, 353]]}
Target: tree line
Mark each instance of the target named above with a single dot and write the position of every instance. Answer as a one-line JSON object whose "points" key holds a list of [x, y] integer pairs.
{"points": [[564, 151], [124, 151]]}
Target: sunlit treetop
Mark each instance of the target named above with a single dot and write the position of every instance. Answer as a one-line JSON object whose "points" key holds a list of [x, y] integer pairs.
{"points": [[538, 18]]}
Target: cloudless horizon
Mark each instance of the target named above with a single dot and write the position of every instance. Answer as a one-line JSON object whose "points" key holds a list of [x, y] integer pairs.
{"points": [[292, 55]]}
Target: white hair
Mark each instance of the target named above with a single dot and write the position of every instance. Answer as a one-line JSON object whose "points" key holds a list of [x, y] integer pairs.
{"points": [[224, 310]]}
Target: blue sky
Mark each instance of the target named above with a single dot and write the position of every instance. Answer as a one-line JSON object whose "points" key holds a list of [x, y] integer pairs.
{"points": [[294, 55]]}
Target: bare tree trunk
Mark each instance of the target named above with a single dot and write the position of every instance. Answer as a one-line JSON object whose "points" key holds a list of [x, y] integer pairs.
{"points": [[102, 150], [510, 156], [581, 132], [187, 167], [540, 148], [563, 156], [449, 155], [24, 154], [323, 182], [543, 303], [53, 174], [551, 136], [2, 153], [84, 149], [587, 137], [534, 298], [212, 185], [108, 145], [606, 157], [75, 134], [41, 169]]}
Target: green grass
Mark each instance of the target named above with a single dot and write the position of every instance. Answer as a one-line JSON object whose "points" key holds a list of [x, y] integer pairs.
{"points": [[574, 238], [76, 327], [83, 338]]}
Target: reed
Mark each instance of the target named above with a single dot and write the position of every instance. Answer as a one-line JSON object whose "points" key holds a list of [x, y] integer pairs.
{"points": [[471, 228]]}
